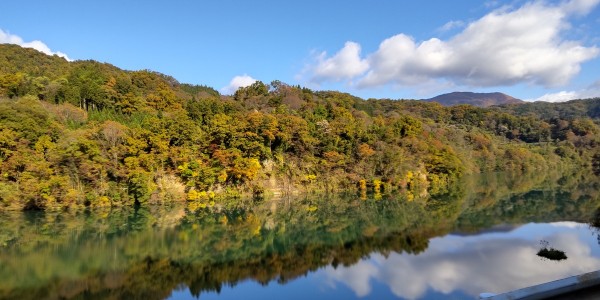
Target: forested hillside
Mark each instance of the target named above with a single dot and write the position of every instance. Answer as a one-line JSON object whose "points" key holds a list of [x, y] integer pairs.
{"points": [[475, 99], [84, 133]]}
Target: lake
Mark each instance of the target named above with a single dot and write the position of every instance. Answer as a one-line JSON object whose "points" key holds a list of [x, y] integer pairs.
{"points": [[483, 235]]}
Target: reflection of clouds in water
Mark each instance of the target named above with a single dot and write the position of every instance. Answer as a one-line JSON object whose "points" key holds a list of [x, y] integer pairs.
{"points": [[473, 264], [357, 276], [566, 224]]}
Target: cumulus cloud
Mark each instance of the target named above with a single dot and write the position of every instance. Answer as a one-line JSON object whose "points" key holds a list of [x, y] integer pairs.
{"points": [[561, 96], [592, 91], [345, 64], [238, 82], [500, 262], [7, 38], [505, 47]]}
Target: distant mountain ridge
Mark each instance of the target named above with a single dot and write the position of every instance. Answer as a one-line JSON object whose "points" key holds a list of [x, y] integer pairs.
{"points": [[475, 99]]}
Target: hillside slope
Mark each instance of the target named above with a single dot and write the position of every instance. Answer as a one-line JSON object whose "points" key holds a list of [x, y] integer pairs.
{"points": [[475, 99], [88, 134]]}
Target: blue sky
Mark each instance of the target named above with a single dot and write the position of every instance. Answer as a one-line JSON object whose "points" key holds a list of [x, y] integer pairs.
{"points": [[380, 48]]}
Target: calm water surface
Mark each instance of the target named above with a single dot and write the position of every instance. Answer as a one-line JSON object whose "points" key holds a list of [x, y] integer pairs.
{"points": [[481, 236]]}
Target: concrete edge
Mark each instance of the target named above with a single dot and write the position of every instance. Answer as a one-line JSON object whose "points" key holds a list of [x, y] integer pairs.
{"points": [[549, 289]]}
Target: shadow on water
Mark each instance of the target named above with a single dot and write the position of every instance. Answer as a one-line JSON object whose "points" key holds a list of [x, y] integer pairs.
{"points": [[147, 252]]}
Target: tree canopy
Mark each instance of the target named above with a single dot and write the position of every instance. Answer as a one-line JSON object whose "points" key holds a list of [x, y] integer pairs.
{"points": [[84, 133]]}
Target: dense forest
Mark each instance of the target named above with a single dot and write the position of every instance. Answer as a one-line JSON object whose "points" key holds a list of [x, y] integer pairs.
{"points": [[88, 134]]}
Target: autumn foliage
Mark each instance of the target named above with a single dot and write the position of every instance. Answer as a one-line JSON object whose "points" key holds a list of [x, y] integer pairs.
{"points": [[78, 134]]}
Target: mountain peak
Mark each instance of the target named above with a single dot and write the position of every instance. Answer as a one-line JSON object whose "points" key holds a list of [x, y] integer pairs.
{"points": [[475, 99]]}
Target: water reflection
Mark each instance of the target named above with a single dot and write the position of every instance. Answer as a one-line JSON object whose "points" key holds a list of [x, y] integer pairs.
{"points": [[459, 244], [494, 262]]}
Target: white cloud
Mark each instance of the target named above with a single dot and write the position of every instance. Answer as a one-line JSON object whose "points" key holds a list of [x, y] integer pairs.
{"points": [[452, 25], [345, 64], [561, 96], [581, 7], [238, 82], [491, 3], [7, 38], [505, 47], [592, 91]]}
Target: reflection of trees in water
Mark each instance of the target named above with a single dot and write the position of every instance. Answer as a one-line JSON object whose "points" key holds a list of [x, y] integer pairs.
{"points": [[595, 221], [551, 253], [130, 251], [146, 253], [538, 197], [595, 224]]}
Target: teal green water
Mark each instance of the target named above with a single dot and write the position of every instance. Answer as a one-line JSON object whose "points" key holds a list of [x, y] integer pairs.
{"points": [[482, 236]]}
